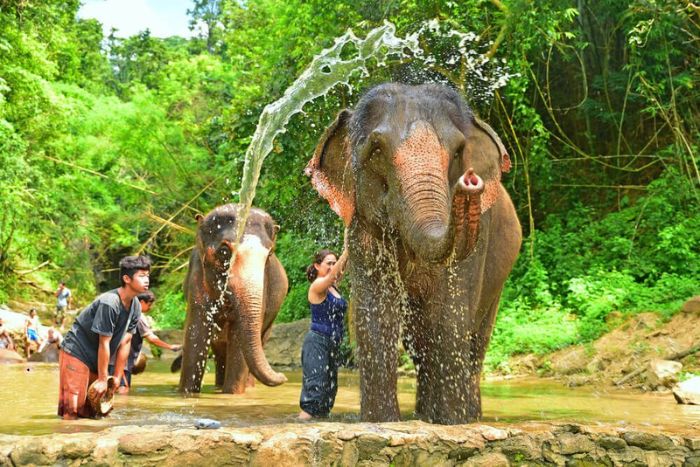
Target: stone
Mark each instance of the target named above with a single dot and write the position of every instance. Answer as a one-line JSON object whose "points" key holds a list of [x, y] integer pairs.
{"points": [[688, 392], [520, 448], [283, 349], [648, 441], [569, 361], [574, 444], [491, 459], [663, 373], [369, 445], [490, 433], [612, 442], [10, 356], [692, 305], [693, 443]]}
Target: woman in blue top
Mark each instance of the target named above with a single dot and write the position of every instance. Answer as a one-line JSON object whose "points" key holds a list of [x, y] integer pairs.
{"points": [[320, 355]]}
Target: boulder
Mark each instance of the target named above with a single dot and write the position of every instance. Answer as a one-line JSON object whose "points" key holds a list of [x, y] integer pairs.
{"points": [[692, 305], [10, 356], [663, 373], [48, 355], [283, 349], [688, 392], [569, 361]]}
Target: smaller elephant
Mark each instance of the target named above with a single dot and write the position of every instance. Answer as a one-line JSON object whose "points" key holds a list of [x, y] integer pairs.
{"points": [[231, 304]]}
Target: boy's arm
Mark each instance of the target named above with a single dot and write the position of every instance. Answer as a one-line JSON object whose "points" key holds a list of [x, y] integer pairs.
{"points": [[155, 340], [102, 364], [122, 356]]}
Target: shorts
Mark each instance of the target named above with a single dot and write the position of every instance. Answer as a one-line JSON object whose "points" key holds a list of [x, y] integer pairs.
{"points": [[74, 379], [60, 314], [32, 335]]}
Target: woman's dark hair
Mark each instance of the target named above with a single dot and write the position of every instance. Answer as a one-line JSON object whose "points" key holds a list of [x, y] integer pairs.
{"points": [[130, 264], [311, 272], [146, 297]]}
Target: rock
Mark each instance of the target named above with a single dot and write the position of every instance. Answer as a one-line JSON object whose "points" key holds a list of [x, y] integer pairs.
{"points": [[612, 442], [648, 441], [663, 373], [491, 459], [692, 305], [574, 444], [688, 392], [10, 356], [283, 349], [569, 361], [48, 355]]}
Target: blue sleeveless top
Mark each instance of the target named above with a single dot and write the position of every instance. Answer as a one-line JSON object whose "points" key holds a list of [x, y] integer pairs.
{"points": [[328, 317]]}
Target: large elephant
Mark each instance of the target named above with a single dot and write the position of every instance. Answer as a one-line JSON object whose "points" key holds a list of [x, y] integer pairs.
{"points": [[231, 304], [433, 236]]}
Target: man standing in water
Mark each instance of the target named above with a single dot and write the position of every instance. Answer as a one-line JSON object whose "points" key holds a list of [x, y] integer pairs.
{"points": [[63, 301], [103, 328]]}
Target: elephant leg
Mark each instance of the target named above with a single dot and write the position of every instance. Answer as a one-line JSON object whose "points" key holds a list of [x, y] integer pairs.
{"points": [[219, 348], [479, 342], [377, 327], [236, 375], [195, 349]]}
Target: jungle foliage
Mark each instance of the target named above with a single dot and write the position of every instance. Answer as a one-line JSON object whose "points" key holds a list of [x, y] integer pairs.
{"points": [[109, 146]]}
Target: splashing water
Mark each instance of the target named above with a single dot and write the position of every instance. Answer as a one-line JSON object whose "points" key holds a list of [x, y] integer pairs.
{"points": [[325, 71]]}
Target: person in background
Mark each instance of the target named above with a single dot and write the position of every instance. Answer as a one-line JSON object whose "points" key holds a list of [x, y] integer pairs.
{"points": [[320, 354], [143, 331], [6, 341], [64, 299], [103, 328], [54, 337], [31, 332]]}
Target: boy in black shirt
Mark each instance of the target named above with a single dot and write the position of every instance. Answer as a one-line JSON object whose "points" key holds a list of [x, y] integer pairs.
{"points": [[101, 329]]}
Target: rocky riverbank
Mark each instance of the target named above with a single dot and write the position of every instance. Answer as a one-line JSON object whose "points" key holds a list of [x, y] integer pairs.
{"points": [[396, 444]]}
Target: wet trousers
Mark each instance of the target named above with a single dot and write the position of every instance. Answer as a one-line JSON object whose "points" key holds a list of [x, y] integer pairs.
{"points": [[74, 379], [320, 359]]}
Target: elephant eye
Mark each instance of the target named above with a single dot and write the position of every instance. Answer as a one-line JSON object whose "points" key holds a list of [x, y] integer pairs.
{"points": [[458, 153]]}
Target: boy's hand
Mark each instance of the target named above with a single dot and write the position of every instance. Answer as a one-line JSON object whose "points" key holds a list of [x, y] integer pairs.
{"points": [[100, 387], [175, 347]]}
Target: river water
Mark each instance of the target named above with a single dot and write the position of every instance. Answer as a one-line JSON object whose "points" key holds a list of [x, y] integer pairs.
{"points": [[30, 391]]}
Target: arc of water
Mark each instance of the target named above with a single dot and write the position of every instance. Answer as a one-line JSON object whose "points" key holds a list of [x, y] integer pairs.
{"points": [[325, 71]]}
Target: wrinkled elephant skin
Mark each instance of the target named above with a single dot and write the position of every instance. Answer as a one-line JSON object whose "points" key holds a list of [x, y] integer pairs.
{"points": [[232, 300], [415, 176]]}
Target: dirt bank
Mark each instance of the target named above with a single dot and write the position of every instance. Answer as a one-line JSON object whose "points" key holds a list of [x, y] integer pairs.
{"points": [[622, 356]]}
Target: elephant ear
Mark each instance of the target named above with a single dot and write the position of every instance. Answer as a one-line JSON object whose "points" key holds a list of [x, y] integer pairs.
{"points": [[486, 153], [330, 168]]}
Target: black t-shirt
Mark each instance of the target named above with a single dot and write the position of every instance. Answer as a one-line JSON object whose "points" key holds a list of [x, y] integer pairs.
{"points": [[106, 316]]}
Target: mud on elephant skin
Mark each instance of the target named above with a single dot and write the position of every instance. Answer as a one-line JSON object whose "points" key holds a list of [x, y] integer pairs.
{"points": [[415, 176], [231, 304]]}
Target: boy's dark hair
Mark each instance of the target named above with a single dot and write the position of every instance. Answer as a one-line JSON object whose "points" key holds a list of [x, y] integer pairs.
{"points": [[130, 264], [147, 297]]}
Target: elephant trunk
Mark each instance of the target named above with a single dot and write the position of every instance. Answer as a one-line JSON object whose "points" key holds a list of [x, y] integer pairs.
{"points": [[247, 281], [466, 212], [437, 218]]}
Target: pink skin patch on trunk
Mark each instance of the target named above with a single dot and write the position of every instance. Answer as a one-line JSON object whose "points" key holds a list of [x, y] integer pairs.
{"points": [[419, 146]]}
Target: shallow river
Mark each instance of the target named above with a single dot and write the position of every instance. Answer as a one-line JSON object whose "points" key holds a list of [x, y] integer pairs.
{"points": [[29, 395]]}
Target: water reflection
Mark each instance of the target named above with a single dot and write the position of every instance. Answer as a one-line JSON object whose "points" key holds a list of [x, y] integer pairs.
{"points": [[30, 392]]}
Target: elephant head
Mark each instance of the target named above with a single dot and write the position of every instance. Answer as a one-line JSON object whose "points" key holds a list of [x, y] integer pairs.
{"points": [[236, 284], [413, 159]]}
